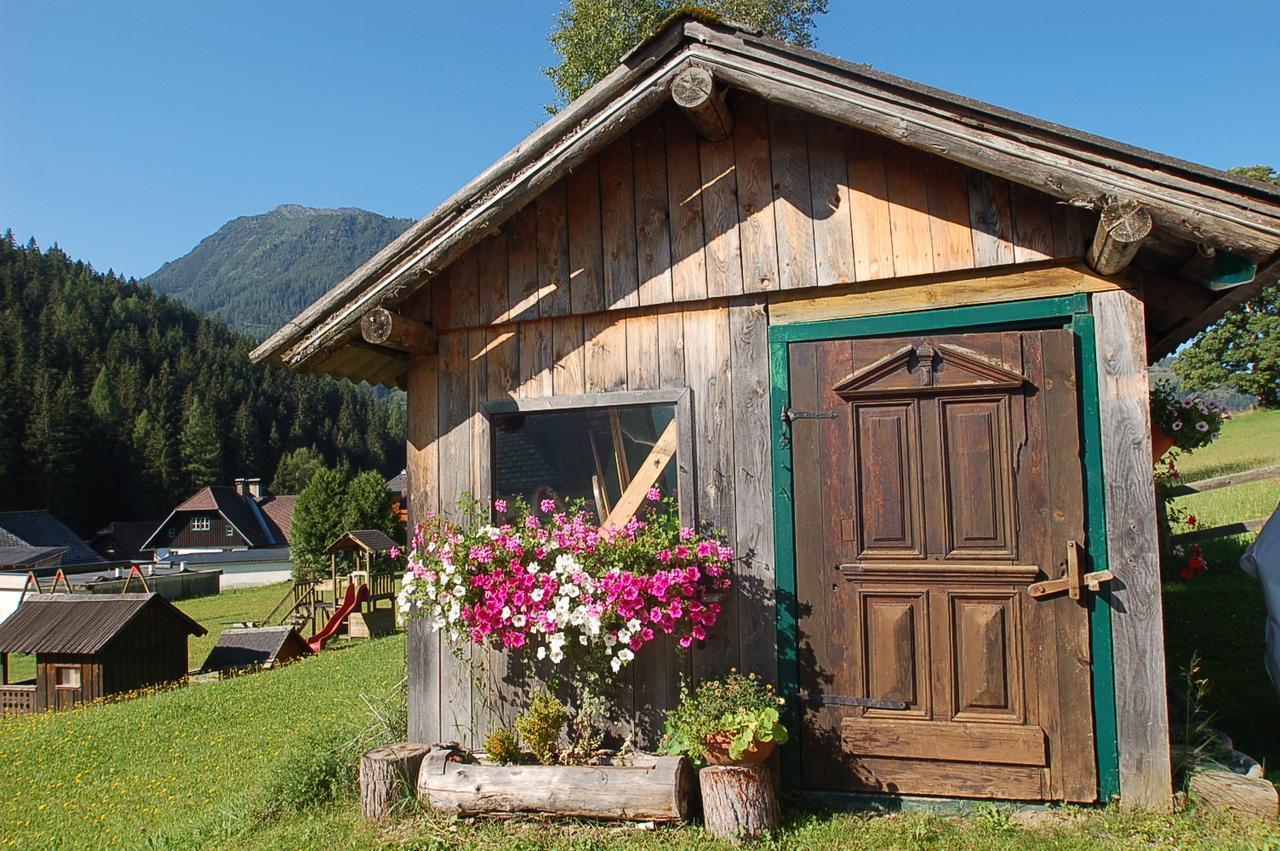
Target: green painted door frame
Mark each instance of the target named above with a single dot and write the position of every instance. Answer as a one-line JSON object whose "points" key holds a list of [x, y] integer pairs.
{"points": [[1062, 312]]}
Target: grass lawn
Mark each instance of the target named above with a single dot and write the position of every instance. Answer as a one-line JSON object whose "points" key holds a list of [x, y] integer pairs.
{"points": [[1248, 440], [215, 613]]}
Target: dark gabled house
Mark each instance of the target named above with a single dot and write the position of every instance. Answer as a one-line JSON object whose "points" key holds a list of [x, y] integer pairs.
{"points": [[125, 540], [24, 531], [219, 518], [89, 646]]}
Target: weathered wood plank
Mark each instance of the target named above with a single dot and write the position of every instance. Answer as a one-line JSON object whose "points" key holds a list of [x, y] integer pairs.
{"points": [[753, 487], [990, 219], [756, 234], [491, 265], [906, 173], [829, 186], [868, 206], [792, 198], [618, 225], [671, 357], [486, 662], [1032, 225], [586, 257], [653, 237], [1137, 630], [536, 359], [422, 465], [685, 213], [569, 374], [605, 352], [1258, 475], [502, 360], [949, 216], [642, 352], [1072, 227], [522, 265], [553, 251], [722, 251], [951, 289]]}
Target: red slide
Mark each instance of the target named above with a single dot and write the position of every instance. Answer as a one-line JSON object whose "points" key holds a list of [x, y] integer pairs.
{"points": [[354, 597]]}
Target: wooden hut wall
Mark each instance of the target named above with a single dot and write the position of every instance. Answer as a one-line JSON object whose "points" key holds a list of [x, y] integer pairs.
{"points": [[152, 650], [650, 267]]}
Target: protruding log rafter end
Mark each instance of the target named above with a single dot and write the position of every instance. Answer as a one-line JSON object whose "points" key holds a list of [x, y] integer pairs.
{"points": [[381, 327], [694, 90], [1122, 228]]}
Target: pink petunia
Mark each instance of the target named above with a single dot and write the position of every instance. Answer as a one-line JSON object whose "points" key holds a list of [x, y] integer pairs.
{"points": [[654, 495], [500, 506]]}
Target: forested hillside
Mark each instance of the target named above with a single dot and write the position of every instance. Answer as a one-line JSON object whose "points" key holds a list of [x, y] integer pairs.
{"points": [[118, 402], [257, 272]]}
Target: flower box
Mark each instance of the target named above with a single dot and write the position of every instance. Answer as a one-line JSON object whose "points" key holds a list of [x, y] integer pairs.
{"points": [[636, 788]]}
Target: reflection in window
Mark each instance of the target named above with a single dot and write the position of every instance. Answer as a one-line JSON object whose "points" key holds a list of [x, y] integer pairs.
{"points": [[588, 454], [67, 676]]}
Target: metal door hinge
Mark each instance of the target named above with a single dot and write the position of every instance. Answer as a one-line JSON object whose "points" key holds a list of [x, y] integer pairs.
{"points": [[1075, 580], [867, 702], [791, 414]]}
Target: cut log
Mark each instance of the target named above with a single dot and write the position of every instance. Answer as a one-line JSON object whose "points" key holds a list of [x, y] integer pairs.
{"points": [[388, 775], [738, 801], [1122, 228], [381, 327], [694, 90], [1248, 797], [644, 789]]}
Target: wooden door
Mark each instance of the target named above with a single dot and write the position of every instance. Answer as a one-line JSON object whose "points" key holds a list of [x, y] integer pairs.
{"points": [[936, 477]]}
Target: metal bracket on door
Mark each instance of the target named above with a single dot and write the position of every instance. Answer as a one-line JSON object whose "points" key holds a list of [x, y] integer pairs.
{"points": [[1075, 581], [790, 415], [867, 702]]}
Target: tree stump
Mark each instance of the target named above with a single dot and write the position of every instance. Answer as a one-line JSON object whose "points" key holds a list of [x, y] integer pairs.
{"points": [[388, 775], [1248, 797], [738, 801]]}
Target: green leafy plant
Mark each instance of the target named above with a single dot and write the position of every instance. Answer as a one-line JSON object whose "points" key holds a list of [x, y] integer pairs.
{"points": [[739, 706], [503, 746], [541, 725]]}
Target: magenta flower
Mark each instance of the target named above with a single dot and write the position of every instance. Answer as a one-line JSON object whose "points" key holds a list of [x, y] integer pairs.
{"points": [[500, 506], [654, 495]]}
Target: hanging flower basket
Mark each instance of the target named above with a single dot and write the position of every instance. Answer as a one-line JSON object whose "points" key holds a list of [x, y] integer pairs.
{"points": [[1184, 422], [1161, 442]]}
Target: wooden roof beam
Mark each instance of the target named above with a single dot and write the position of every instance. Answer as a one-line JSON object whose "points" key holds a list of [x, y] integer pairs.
{"points": [[703, 102], [381, 327], [1122, 228]]}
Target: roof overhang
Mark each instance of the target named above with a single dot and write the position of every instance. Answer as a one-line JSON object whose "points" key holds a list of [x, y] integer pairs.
{"points": [[1186, 201]]}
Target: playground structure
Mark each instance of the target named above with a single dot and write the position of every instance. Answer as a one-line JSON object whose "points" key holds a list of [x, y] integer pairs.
{"points": [[328, 607]]}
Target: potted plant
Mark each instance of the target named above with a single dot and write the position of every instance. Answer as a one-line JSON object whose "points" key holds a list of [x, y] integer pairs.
{"points": [[1184, 422], [732, 720]]}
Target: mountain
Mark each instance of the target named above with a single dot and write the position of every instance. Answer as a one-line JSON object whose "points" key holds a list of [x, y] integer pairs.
{"points": [[119, 402], [257, 272]]}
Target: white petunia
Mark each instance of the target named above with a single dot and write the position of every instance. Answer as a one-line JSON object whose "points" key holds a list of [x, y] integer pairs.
{"points": [[626, 655], [633, 625], [542, 652], [624, 635], [518, 621], [535, 594], [615, 664]]}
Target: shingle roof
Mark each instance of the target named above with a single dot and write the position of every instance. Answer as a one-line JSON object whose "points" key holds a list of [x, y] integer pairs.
{"points": [[279, 513], [79, 623], [130, 537], [399, 483], [252, 647], [42, 529], [265, 555], [263, 523], [369, 540], [22, 556]]}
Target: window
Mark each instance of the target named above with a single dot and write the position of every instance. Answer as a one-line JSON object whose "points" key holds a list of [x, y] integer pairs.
{"points": [[599, 453], [66, 676], [201, 524], [231, 532]]}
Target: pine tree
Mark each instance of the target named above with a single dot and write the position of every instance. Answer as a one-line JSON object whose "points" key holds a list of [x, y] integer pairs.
{"points": [[296, 469], [201, 447], [368, 504], [317, 522]]}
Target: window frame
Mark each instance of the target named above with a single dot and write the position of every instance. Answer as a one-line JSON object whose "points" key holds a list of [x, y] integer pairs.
{"points": [[59, 668], [202, 523], [680, 398]]}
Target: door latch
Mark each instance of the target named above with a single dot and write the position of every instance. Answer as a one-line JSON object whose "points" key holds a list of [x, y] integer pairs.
{"points": [[790, 415], [1075, 581]]}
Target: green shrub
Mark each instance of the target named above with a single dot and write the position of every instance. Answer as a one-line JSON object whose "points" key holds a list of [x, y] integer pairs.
{"points": [[502, 746], [541, 725]]}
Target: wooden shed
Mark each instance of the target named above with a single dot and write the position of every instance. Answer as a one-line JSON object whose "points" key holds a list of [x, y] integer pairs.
{"points": [[904, 339], [255, 647], [89, 646]]}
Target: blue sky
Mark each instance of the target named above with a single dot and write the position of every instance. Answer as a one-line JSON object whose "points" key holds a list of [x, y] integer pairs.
{"points": [[133, 130]]}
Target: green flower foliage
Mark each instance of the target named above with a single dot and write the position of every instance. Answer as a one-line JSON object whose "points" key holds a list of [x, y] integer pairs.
{"points": [[503, 746], [541, 725], [592, 36], [742, 707]]}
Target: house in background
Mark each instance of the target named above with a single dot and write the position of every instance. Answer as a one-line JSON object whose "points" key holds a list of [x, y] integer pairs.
{"points": [[899, 340], [240, 529], [124, 540], [36, 542], [89, 646], [398, 487]]}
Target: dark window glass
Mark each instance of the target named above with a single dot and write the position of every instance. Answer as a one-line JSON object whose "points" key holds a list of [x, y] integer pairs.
{"points": [[588, 454]]}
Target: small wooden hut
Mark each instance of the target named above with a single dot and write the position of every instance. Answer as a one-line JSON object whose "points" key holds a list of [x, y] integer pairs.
{"points": [[903, 338], [255, 647], [365, 546], [89, 646]]}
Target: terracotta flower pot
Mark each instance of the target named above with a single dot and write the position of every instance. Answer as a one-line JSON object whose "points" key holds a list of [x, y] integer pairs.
{"points": [[718, 751], [1161, 442]]}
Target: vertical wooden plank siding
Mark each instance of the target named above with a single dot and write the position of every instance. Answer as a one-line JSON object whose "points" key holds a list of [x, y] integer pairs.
{"points": [[491, 262], [990, 219], [671, 355], [720, 218], [653, 232], [908, 191], [792, 196], [868, 205], [586, 258], [569, 374], [422, 469], [753, 487], [1133, 552], [755, 195], [553, 251], [522, 264], [642, 352], [537, 359], [1032, 225], [949, 217], [829, 188], [685, 214], [605, 352], [618, 225]]}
